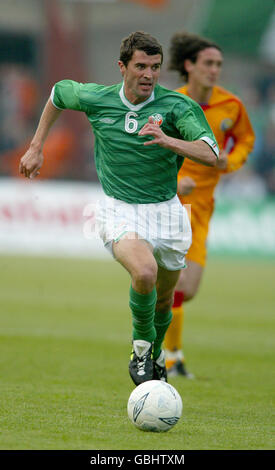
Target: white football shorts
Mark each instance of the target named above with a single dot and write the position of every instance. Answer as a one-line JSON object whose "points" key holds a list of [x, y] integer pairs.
{"points": [[165, 225]]}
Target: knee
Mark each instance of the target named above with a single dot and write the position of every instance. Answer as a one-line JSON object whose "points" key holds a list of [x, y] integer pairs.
{"points": [[144, 279], [189, 287], [189, 292]]}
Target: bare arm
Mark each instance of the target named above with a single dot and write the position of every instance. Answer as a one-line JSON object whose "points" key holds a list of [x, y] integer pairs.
{"points": [[223, 160], [32, 160], [185, 185], [197, 150], [243, 137]]}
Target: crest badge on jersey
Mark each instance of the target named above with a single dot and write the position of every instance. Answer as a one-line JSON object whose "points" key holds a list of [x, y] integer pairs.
{"points": [[226, 124], [158, 118]]}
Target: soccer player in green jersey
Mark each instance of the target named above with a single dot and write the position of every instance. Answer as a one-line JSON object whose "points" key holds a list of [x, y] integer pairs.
{"points": [[142, 132]]}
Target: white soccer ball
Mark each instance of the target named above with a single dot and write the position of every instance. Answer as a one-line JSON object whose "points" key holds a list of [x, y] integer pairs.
{"points": [[154, 406]]}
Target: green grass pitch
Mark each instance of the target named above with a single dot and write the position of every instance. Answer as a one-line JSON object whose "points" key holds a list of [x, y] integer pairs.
{"points": [[65, 332]]}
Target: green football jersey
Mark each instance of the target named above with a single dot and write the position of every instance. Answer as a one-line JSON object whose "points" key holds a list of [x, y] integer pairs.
{"points": [[128, 170]]}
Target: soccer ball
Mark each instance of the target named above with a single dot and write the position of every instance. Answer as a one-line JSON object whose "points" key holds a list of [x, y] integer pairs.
{"points": [[154, 406]]}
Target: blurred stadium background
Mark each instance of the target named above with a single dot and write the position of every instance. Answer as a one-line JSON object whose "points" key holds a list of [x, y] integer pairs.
{"points": [[64, 319], [43, 41]]}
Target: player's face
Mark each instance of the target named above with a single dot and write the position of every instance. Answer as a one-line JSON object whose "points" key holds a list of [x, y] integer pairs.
{"points": [[206, 70], [140, 76]]}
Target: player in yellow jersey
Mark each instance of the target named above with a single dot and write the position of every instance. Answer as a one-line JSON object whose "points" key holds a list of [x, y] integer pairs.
{"points": [[199, 62]]}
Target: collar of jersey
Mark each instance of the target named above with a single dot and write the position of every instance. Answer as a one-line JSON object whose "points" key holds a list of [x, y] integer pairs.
{"points": [[134, 107]]}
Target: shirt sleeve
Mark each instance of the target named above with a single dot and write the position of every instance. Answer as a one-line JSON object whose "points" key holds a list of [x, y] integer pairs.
{"points": [[193, 125], [65, 95], [243, 138]]}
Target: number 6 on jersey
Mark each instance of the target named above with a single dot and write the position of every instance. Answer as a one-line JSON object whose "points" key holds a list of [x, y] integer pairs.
{"points": [[131, 124]]}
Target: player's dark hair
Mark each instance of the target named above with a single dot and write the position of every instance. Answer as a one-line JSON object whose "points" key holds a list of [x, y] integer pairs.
{"points": [[139, 41], [187, 46]]}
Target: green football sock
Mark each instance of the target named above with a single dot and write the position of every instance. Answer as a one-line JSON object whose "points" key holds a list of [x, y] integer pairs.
{"points": [[143, 312], [162, 322]]}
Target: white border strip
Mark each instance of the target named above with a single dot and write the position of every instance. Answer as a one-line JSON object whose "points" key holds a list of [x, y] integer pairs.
{"points": [[211, 144], [134, 107], [52, 98]]}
